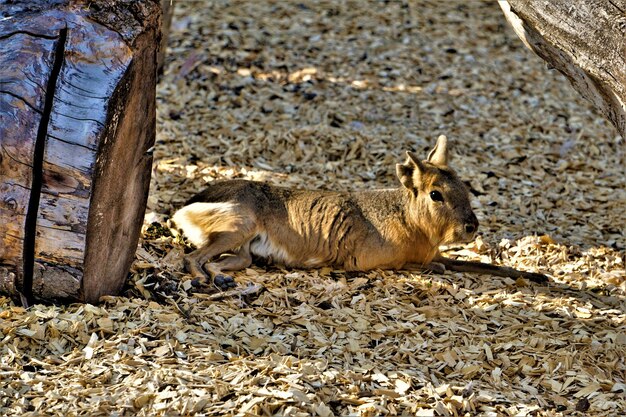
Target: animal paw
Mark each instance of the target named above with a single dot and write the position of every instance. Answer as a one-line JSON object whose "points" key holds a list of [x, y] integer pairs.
{"points": [[199, 281], [436, 268], [224, 282]]}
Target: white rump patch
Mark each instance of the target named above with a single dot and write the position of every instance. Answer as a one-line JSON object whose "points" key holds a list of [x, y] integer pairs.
{"points": [[198, 220]]}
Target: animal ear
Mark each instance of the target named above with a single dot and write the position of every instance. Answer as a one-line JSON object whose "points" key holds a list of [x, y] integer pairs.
{"points": [[409, 171], [439, 154]]}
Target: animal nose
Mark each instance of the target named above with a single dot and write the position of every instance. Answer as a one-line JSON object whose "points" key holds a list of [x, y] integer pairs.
{"points": [[472, 225]]}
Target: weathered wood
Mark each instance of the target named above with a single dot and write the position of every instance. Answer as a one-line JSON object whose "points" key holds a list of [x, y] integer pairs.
{"points": [[77, 118], [21, 107], [583, 39]]}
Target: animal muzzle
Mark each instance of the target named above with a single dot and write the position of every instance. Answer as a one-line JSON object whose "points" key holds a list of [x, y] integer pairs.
{"points": [[470, 227]]}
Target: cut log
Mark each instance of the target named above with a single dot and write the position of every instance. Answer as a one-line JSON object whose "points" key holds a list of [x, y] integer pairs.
{"points": [[583, 39], [77, 122]]}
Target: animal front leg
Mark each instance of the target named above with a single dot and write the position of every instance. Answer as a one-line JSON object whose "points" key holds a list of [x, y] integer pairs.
{"points": [[218, 243], [433, 267], [483, 268]]}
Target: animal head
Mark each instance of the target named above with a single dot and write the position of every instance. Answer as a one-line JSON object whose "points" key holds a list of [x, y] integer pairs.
{"points": [[440, 203]]}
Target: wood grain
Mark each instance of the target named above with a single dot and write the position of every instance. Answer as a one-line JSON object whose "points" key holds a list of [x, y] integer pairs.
{"points": [[88, 186], [24, 74]]}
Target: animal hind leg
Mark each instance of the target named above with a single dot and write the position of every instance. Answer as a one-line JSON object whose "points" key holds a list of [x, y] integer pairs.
{"points": [[217, 244], [242, 259]]}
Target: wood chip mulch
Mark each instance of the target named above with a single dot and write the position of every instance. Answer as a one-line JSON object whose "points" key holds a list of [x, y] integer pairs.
{"points": [[330, 95]]}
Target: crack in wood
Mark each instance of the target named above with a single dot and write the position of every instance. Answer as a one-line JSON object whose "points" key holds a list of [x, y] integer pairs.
{"points": [[79, 231], [91, 148], [82, 89], [14, 184], [78, 93], [11, 157], [83, 172], [27, 76], [81, 119], [70, 104], [25, 32], [30, 229], [21, 99]]}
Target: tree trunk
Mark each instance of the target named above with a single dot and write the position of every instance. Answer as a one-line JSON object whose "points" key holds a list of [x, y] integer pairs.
{"points": [[583, 39], [77, 120]]}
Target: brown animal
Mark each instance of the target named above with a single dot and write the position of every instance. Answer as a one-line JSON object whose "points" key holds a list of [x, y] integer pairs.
{"points": [[356, 231]]}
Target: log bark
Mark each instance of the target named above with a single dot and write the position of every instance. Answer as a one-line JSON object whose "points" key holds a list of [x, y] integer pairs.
{"points": [[77, 120], [583, 39]]}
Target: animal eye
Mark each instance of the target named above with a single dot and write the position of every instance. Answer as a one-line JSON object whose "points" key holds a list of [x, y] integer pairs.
{"points": [[436, 196]]}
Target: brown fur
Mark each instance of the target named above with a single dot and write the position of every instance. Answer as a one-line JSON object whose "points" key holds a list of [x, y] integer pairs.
{"points": [[392, 228]]}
